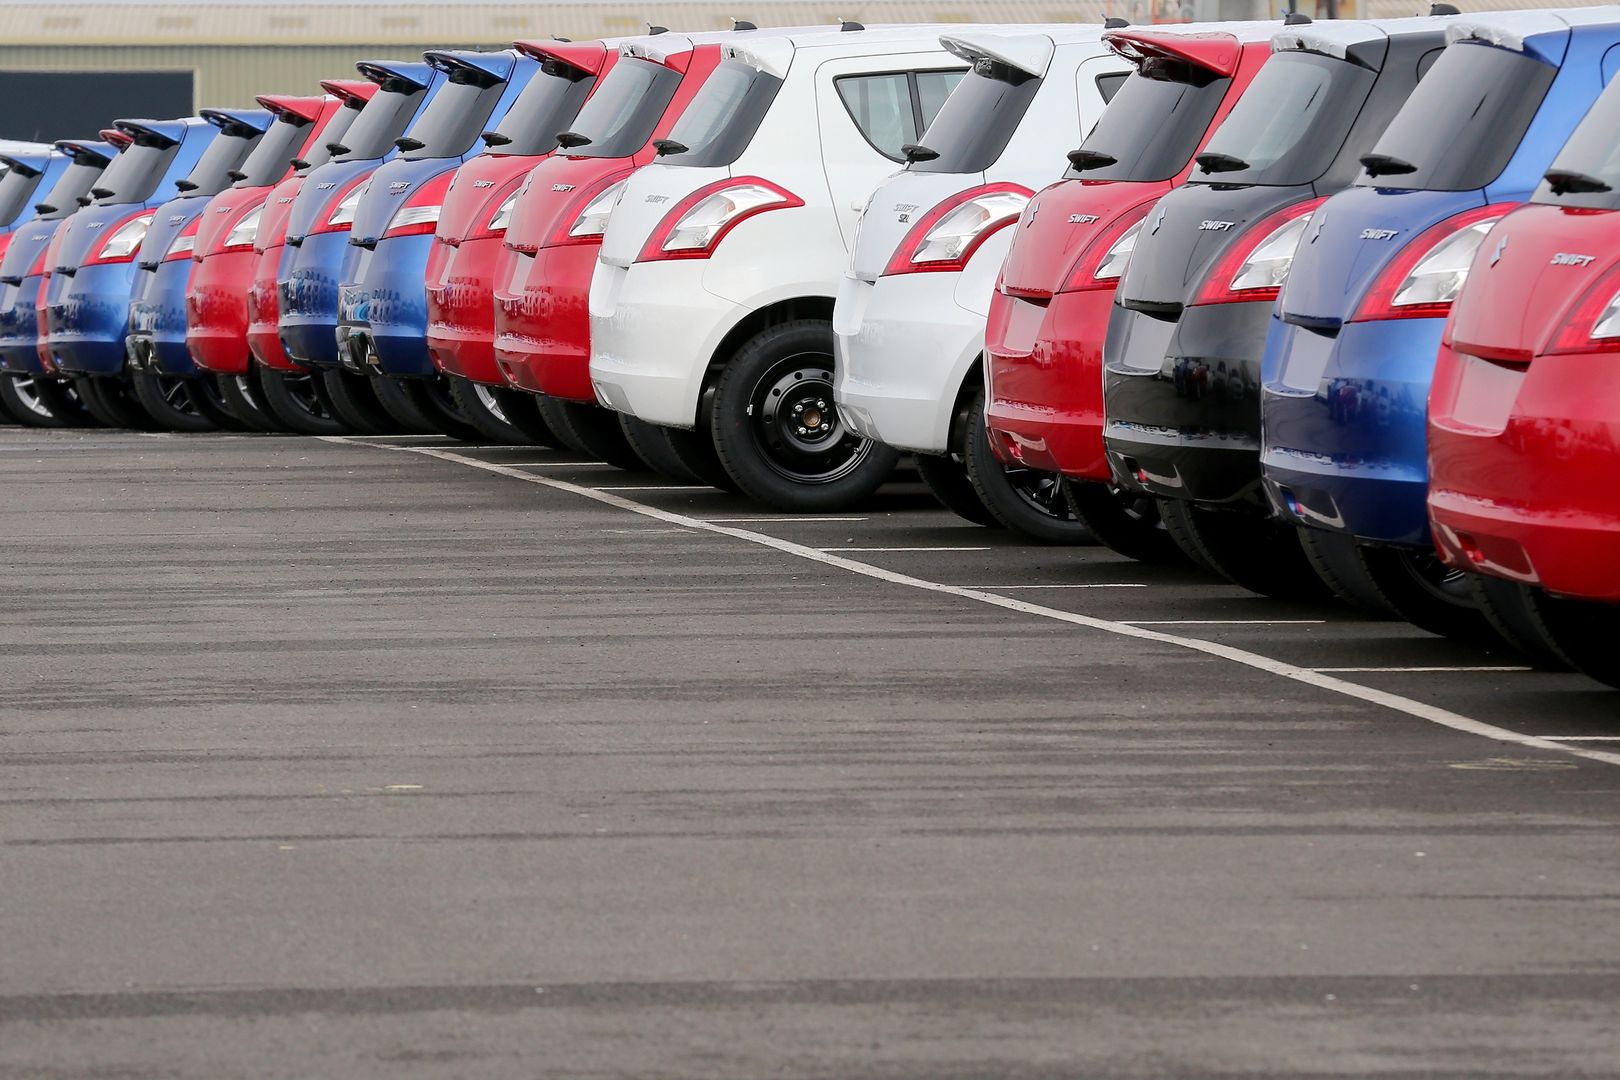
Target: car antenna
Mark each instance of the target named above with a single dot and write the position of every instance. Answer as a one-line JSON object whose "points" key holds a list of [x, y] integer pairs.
{"points": [[845, 25], [1296, 18], [1444, 9], [1114, 22], [656, 30], [742, 24]]}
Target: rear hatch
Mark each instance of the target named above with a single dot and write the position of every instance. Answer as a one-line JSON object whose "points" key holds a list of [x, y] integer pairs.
{"points": [[150, 164], [352, 96], [268, 163], [28, 242], [239, 131], [26, 165]]}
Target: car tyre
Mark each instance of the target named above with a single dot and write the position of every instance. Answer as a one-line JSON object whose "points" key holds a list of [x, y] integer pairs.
{"points": [[522, 411], [1125, 522], [695, 450], [27, 406], [1260, 554], [776, 427], [1510, 609], [299, 402], [946, 479], [1583, 632], [1027, 501], [355, 403], [424, 405], [168, 400], [651, 447], [483, 410], [592, 431], [63, 398], [243, 395]]}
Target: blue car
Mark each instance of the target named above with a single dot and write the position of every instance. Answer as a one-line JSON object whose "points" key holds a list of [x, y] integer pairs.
{"points": [[382, 303], [161, 368], [323, 211], [62, 176], [87, 296], [1352, 344]]}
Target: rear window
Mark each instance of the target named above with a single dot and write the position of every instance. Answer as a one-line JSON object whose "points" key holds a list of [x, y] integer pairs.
{"points": [[382, 121], [76, 181], [269, 160], [16, 189], [336, 129], [620, 117], [544, 107], [1150, 130], [222, 155], [1586, 172], [134, 174], [894, 109], [1463, 122], [1289, 124], [453, 119], [721, 120], [1110, 83]]}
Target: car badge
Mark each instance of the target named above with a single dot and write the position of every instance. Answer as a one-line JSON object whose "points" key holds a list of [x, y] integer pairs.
{"points": [[1501, 246], [323, 185], [399, 187], [1379, 234], [178, 219], [657, 198], [1566, 258], [568, 187], [1215, 226], [1157, 221], [1083, 219], [483, 183]]}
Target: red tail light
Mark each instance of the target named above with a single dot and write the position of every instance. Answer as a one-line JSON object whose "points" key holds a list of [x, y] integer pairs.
{"points": [[419, 213], [184, 244], [1103, 259], [1253, 267], [341, 217], [946, 237], [1593, 323], [244, 233], [38, 268], [586, 219], [697, 224], [121, 240], [1423, 280]]}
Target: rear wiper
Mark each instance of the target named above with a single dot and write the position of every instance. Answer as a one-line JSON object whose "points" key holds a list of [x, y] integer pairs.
{"points": [[101, 193], [495, 138], [9, 280], [1221, 163], [570, 139], [1384, 165], [236, 174], [84, 200], [915, 152], [1567, 181], [336, 149], [44, 208], [669, 146], [298, 164], [186, 185], [407, 144], [1084, 159]]}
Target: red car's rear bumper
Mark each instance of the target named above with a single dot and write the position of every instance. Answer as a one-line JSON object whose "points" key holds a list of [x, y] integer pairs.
{"points": [[461, 307], [543, 322], [217, 311], [264, 309]]}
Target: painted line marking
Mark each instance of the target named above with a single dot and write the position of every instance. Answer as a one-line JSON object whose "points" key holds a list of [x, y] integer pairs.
{"points": [[1459, 667], [544, 464], [663, 487], [1394, 702], [1226, 622], [835, 549], [1581, 738], [440, 438], [1096, 585], [783, 517]]}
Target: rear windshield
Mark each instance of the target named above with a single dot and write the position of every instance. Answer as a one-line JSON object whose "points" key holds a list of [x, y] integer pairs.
{"points": [[135, 174], [222, 155], [721, 120], [1587, 169], [547, 105], [76, 181], [1153, 125], [621, 115], [453, 119], [269, 160], [1463, 122], [336, 129], [978, 119], [1290, 123], [16, 192], [382, 121]]}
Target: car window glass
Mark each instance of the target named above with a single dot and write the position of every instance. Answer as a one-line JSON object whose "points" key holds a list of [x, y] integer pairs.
{"points": [[1588, 167], [381, 122], [16, 190], [543, 108], [722, 117], [979, 118], [1109, 84], [76, 180], [453, 119], [335, 131], [273, 156], [1156, 121], [933, 87], [135, 173], [620, 117], [880, 105], [222, 155]]}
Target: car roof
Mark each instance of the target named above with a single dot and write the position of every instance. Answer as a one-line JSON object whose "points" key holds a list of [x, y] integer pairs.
{"points": [[1515, 29], [1338, 37]]}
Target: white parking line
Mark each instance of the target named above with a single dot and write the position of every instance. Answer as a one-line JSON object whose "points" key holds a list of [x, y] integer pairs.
{"points": [[902, 549], [1581, 738], [1087, 585], [1394, 702], [661, 487], [768, 518], [542, 464], [1227, 622], [1459, 667]]}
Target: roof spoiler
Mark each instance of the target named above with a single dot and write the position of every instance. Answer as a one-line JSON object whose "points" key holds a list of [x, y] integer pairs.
{"points": [[27, 159], [584, 57], [354, 93], [1212, 51], [1029, 53], [115, 138], [396, 76], [88, 152], [673, 52], [157, 134], [482, 70], [293, 110], [239, 123]]}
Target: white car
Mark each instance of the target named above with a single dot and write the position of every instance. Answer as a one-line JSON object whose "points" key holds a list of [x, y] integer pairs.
{"points": [[711, 303], [911, 309]]}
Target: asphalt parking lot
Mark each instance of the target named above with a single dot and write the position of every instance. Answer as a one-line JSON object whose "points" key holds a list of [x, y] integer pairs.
{"points": [[399, 757]]}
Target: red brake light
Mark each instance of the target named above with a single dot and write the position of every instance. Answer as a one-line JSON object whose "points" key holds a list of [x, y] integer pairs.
{"points": [[185, 243], [1253, 267], [1593, 323], [585, 219], [121, 240], [419, 213], [1422, 281], [946, 237], [1104, 257], [697, 224], [340, 216]]}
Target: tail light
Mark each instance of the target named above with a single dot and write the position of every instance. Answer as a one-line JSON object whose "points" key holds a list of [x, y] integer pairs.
{"points": [[947, 236], [1593, 324], [38, 269], [419, 213], [502, 217], [697, 224], [1103, 260], [1254, 266], [1423, 280], [123, 241], [244, 232], [590, 224], [184, 244], [341, 219]]}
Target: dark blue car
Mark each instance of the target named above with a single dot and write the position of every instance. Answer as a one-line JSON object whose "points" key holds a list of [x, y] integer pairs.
{"points": [[1352, 345], [61, 177], [382, 304]]}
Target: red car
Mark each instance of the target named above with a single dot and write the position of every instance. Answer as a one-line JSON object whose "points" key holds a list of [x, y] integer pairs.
{"points": [[542, 323], [462, 267], [1524, 411], [223, 255], [1049, 315]]}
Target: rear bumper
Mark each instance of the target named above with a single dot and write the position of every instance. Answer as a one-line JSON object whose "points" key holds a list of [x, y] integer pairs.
{"points": [[159, 317], [1343, 416], [1523, 467], [386, 300], [19, 327], [88, 318], [1182, 401], [307, 298], [264, 310], [217, 311], [460, 308], [904, 346], [1043, 370], [543, 322]]}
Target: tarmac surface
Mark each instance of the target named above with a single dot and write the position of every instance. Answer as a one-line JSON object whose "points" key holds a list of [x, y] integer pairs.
{"points": [[396, 757]]}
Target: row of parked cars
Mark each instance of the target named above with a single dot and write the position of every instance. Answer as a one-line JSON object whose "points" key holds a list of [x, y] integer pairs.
{"points": [[1329, 309]]}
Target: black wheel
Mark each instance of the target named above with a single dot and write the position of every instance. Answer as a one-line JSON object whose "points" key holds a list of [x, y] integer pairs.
{"points": [[168, 401], [651, 447], [112, 399], [355, 403], [947, 480], [1414, 585], [61, 397], [592, 431], [1583, 631], [522, 411], [21, 397], [1125, 522], [1258, 553], [777, 429], [209, 399], [483, 410], [1509, 608], [298, 401], [244, 397], [424, 405], [695, 450], [1025, 500]]}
